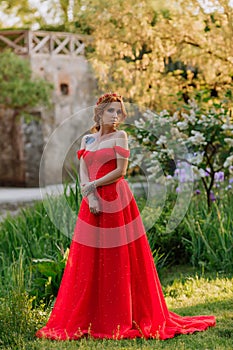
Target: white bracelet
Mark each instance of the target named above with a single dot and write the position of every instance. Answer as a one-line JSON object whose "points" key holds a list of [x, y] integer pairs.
{"points": [[91, 189]]}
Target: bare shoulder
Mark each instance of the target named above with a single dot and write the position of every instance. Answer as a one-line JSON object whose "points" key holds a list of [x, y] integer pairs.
{"points": [[88, 139], [122, 139], [122, 134]]}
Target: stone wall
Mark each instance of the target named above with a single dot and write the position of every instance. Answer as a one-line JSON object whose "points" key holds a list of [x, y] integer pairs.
{"points": [[33, 143], [22, 143], [12, 164], [74, 87]]}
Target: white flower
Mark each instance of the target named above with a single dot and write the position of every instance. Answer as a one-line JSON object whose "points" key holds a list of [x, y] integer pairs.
{"points": [[163, 121], [204, 117], [202, 172], [198, 138], [228, 162], [139, 123], [162, 140], [176, 116], [151, 116], [155, 153], [196, 158], [203, 120], [184, 115], [175, 132], [227, 127], [190, 118], [163, 113], [229, 141], [193, 103], [170, 153], [146, 139], [182, 125]]}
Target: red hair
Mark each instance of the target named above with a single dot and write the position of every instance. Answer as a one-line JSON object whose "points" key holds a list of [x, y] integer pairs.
{"points": [[103, 102]]}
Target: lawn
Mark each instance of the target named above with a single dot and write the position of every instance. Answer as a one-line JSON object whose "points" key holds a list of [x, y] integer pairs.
{"points": [[25, 289], [187, 293]]}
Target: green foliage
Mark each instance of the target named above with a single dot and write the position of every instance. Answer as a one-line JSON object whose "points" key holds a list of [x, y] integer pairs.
{"points": [[203, 239], [210, 241], [25, 14], [150, 50], [168, 247], [27, 279], [198, 134], [19, 320], [18, 89], [43, 245], [186, 293], [34, 235], [32, 231], [48, 274], [137, 47]]}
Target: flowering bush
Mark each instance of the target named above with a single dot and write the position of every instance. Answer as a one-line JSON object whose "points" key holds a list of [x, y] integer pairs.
{"points": [[193, 143]]}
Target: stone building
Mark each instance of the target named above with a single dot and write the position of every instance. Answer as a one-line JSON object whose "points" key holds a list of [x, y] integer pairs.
{"points": [[60, 59]]}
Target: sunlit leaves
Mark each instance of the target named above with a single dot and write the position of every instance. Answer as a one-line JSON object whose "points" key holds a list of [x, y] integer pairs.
{"points": [[18, 89]]}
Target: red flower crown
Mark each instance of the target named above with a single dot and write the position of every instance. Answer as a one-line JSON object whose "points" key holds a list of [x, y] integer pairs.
{"points": [[103, 97]]}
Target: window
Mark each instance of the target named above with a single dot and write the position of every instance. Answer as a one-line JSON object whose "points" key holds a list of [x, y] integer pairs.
{"points": [[64, 89]]}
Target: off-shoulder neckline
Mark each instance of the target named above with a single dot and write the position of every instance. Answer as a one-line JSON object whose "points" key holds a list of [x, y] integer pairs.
{"points": [[88, 150]]}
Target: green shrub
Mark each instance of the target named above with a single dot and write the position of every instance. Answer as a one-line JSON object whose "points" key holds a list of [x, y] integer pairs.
{"points": [[19, 320], [210, 241], [33, 238], [168, 245]]}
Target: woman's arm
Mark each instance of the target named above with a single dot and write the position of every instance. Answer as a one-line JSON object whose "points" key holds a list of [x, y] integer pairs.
{"points": [[118, 172], [83, 172]]}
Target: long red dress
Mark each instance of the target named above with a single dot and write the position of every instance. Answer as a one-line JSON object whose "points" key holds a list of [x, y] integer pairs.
{"points": [[110, 287]]}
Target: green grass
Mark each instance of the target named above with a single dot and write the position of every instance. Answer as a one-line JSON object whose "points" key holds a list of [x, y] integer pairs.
{"points": [[31, 246], [186, 292], [210, 238]]}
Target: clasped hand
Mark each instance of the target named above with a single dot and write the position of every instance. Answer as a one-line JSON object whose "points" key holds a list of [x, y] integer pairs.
{"points": [[88, 188], [94, 205]]}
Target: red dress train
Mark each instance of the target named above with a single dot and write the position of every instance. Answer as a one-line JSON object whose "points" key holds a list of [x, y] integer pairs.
{"points": [[110, 287]]}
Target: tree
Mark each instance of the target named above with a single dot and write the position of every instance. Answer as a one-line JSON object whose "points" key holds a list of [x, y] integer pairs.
{"points": [[150, 50], [201, 137], [134, 42], [20, 12], [19, 91]]}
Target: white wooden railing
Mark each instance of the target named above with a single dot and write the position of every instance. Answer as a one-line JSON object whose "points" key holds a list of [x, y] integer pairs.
{"points": [[27, 42]]}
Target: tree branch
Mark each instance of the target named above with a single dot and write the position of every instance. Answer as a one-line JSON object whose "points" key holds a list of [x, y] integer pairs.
{"points": [[210, 52]]}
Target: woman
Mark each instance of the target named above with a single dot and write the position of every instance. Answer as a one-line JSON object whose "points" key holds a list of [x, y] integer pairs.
{"points": [[110, 287]]}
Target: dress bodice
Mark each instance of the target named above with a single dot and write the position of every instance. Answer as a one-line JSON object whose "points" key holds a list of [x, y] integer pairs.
{"points": [[101, 161], [110, 288]]}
